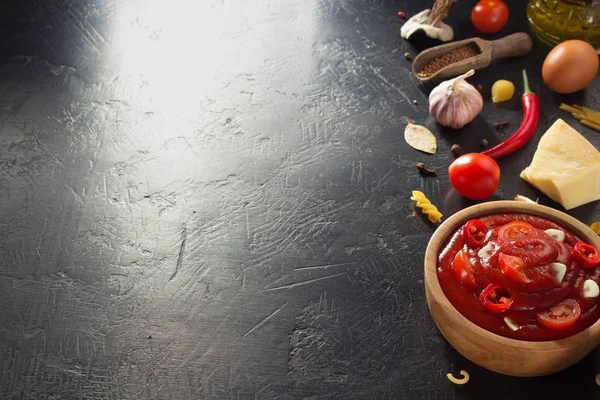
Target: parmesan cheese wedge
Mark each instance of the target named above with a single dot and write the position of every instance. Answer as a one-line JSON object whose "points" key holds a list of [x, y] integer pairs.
{"points": [[565, 166]]}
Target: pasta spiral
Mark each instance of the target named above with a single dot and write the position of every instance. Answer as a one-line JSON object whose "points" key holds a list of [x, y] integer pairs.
{"points": [[426, 207]]}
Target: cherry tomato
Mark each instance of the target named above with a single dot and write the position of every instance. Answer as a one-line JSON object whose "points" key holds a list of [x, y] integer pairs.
{"points": [[489, 16], [561, 316], [586, 255], [515, 230], [474, 175], [474, 232], [462, 269], [496, 299], [512, 267]]}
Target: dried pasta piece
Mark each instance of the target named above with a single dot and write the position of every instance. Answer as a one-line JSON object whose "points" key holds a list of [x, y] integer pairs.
{"points": [[426, 207], [463, 380], [598, 379]]}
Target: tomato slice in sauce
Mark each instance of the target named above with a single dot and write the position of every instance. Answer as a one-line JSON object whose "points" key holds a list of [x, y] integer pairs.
{"points": [[474, 232], [512, 267], [462, 269], [495, 299], [534, 250], [561, 316], [586, 255], [516, 230]]}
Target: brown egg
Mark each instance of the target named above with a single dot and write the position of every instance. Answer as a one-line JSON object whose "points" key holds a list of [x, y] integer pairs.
{"points": [[570, 66]]}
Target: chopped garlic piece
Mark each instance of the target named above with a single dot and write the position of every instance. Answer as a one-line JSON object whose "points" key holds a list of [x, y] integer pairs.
{"points": [[556, 234], [485, 252], [559, 270], [459, 381], [511, 324], [590, 289]]}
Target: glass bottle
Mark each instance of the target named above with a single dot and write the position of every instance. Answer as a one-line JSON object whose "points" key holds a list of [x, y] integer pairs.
{"points": [[554, 21]]}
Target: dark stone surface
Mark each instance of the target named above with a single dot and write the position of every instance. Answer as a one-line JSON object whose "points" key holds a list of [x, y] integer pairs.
{"points": [[210, 199]]}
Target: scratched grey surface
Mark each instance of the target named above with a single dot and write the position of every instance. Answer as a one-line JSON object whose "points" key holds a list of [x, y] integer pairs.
{"points": [[210, 200]]}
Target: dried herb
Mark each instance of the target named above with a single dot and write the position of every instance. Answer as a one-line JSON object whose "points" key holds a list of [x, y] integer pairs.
{"points": [[455, 149], [420, 138], [424, 170], [501, 125]]}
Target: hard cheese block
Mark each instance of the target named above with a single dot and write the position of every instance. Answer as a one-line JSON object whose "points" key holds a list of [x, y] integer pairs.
{"points": [[565, 166]]}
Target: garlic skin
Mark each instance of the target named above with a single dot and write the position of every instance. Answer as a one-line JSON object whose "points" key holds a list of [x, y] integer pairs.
{"points": [[455, 103], [418, 22]]}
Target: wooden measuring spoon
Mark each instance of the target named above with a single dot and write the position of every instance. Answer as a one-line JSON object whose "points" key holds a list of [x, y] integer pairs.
{"points": [[515, 45]]}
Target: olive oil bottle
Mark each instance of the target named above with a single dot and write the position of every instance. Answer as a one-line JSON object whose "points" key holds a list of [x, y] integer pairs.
{"points": [[554, 21]]}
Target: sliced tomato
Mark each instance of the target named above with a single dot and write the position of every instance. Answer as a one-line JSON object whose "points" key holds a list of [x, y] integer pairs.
{"points": [[586, 255], [561, 316], [516, 230], [512, 267], [474, 232], [495, 298], [463, 269], [534, 250]]}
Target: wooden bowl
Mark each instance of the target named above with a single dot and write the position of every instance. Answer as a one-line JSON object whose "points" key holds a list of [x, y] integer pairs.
{"points": [[489, 350]]}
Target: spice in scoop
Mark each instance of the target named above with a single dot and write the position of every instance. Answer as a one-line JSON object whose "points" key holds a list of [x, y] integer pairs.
{"points": [[456, 55]]}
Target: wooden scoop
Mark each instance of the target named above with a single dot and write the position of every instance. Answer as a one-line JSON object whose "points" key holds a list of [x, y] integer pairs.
{"points": [[515, 45]]}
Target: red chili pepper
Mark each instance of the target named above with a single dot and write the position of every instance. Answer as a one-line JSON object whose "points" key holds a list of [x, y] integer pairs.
{"points": [[586, 255], [474, 232], [531, 108], [495, 299]]}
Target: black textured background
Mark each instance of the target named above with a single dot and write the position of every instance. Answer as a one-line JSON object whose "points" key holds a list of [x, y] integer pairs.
{"points": [[210, 200]]}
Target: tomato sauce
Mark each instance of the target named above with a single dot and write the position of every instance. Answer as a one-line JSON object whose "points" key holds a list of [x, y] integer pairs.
{"points": [[517, 254]]}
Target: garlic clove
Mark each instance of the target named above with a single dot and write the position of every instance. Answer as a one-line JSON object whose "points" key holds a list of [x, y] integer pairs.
{"points": [[556, 234], [511, 324], [439, 31], [558, 270], [590, 289], [486, 252]]}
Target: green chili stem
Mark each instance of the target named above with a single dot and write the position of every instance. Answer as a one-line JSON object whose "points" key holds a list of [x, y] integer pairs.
{"points": [[526, 84]]}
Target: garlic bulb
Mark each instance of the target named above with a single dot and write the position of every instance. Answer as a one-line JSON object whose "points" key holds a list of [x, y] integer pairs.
{"points": [[455, 103]]}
